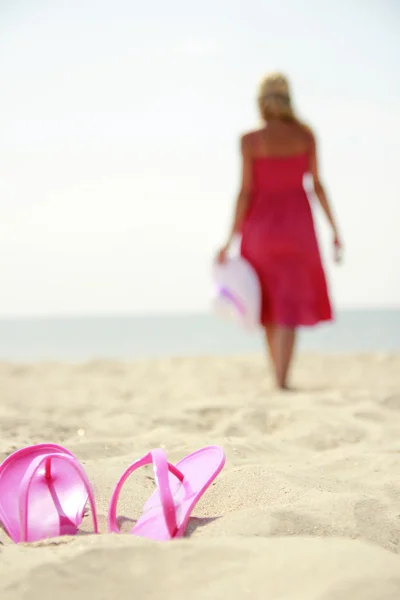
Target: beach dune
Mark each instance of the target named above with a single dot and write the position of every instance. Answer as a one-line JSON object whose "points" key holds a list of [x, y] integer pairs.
{"points": [[306, 508]]}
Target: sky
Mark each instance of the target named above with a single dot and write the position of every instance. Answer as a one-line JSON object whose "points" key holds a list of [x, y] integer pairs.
{"points": [[119, 154]]}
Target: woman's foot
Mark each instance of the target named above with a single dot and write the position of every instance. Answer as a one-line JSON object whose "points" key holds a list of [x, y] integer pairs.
{"points": [[286, 388]]}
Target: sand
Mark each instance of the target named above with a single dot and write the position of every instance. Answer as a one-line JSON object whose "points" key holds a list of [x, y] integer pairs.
{"points": [[306, 508]]}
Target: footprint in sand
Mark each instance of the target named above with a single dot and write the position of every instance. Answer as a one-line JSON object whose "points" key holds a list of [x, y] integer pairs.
{"points": [[392, 402]]}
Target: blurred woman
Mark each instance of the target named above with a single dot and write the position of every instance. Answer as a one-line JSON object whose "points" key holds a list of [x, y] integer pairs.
{"points": [[274, 217]]}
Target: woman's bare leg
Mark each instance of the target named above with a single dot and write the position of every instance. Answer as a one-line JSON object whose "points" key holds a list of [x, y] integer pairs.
{"points": [[269, 337], [283, 346]]}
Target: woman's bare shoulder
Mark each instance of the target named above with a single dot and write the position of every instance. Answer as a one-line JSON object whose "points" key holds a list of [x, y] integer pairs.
{"points": [[250, 139], [306, 130]]}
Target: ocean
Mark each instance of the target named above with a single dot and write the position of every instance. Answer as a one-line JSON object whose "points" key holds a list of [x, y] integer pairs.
{"points": [[130, 337]]}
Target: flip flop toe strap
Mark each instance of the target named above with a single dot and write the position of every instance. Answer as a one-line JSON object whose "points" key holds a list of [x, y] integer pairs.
{"points": [[161, 467], [45, 460]]}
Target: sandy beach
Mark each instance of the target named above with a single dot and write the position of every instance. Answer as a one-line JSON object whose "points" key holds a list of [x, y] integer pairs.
{"points": [[306, 508]]}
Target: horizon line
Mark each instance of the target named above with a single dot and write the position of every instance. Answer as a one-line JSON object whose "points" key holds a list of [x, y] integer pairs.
{"points": [[160, 314]]}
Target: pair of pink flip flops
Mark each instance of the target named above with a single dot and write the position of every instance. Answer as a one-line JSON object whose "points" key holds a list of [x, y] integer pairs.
{"points": [[44, 491]]}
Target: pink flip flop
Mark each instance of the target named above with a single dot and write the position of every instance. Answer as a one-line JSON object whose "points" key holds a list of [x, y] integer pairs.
{"points": [[179, 488], [43, 493]]}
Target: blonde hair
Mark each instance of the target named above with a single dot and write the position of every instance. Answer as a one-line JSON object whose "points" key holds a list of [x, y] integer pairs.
{"points": [[274, 100]]}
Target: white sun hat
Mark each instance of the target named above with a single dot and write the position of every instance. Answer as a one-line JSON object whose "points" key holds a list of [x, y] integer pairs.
{"points": [[237, 292]]}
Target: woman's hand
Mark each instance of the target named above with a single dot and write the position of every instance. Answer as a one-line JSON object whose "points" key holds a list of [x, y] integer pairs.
{"points": [[337, 248], [222, 254]]}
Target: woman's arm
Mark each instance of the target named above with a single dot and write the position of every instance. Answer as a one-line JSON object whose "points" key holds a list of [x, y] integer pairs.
{"points": [[243, 198], [319, 189]]}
